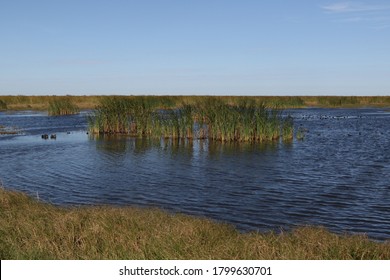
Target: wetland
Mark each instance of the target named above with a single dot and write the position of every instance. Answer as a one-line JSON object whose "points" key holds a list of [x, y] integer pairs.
{"points": [[337, 176]]}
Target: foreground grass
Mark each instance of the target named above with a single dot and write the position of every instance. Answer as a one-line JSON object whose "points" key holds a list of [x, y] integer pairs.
{"points": [[30, 229]]}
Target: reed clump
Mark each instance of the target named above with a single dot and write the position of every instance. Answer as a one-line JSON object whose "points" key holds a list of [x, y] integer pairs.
{"points": [[209, 118], [30, 229], [62, 106]]}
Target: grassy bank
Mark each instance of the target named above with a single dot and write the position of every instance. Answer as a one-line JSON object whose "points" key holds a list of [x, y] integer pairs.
{"points": [[21, 102], [30, 229]]}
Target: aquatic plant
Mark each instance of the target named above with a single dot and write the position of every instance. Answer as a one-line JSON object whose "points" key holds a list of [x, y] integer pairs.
{"points": [[300, 134], [62, 106], [288, 128]]}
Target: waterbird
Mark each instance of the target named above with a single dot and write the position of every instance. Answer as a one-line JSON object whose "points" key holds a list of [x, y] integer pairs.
{"points": [[53, 136], [45, 136]]}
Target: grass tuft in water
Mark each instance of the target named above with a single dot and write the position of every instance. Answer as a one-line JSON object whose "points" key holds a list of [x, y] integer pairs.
{"points": [[300, 135], [288, 128]]}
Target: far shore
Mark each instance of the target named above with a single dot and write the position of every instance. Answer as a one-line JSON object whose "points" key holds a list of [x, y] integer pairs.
{"points": [[25, 102]]}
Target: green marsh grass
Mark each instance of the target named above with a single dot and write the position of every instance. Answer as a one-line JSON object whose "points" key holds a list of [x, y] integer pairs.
{"points": [[30, 229]]}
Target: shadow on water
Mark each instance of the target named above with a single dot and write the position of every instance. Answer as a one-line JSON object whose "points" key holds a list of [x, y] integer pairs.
{"points": [[122, 144]]}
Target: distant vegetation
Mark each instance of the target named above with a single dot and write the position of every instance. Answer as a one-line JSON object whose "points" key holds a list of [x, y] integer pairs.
{"points": [[24, 102], [62, 106], [30, 229], [20, 102], [347, 101], [209, 118], [3, 105]]}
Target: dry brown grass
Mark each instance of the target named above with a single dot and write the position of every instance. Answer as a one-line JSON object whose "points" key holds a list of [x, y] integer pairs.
{"points": [[30, 229]]}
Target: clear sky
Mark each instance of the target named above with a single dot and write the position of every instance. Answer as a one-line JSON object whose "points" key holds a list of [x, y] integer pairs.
{"points": [[240, 47]]}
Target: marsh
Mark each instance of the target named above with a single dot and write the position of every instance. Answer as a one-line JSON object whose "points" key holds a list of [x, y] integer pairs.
{"points": [[338, 176]]}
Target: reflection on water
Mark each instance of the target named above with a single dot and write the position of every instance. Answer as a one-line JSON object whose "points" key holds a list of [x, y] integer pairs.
{"points": [[338, 176]]}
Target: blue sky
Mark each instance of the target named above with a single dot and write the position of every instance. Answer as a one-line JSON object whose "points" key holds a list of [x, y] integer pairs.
{"points": [[245, 47]]}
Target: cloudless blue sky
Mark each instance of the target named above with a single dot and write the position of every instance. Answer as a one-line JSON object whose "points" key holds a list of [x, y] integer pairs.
{"points": [[246, 47]]}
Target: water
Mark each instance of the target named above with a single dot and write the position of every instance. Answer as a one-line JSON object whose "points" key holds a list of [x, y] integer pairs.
{"points": [[337, 177]]}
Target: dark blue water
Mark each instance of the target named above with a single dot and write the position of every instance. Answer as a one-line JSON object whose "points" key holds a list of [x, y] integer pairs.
{"points": [[337, 177]]}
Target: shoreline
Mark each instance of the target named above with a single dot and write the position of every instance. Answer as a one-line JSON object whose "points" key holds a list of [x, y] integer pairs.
{"points": [[30, 229]]}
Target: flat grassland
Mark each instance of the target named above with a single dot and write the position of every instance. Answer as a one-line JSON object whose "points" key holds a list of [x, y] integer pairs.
{"points": [[23, 102], [30, 229]]}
